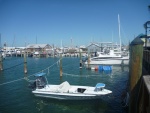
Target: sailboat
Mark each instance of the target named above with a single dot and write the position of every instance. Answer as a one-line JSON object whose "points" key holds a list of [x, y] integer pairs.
{"points": [[111, 58]]}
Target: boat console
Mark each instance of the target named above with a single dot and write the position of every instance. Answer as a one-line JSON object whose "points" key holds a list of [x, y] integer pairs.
{"points": [[39, 83]]}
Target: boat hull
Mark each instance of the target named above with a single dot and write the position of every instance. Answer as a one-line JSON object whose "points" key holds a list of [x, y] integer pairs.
{"points": [[74, 92], [66, 97], [109, 62]]}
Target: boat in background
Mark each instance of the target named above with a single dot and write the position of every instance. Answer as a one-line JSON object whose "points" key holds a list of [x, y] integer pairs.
{"points": [[112, 58], [3, 55], [66, 91], [109, 59], [36, 54]]}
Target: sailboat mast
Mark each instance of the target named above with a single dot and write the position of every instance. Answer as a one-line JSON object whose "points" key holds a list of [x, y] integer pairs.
{"points": [[119, 31], [112, 40], [61, 43], [0, 42], [61, 47]]}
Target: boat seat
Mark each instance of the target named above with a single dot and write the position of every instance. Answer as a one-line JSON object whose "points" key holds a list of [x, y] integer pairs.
{"points": [[72, 90], [99, 86]]}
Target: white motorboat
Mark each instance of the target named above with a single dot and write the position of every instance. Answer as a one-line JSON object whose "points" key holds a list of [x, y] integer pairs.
{"points": [[113, 58], [109, 59], [3, 55], [66, 91], [36, 54], [112, 61]]}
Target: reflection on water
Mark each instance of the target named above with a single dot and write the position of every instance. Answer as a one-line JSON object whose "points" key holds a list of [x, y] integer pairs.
{"points": [[67, 106]]}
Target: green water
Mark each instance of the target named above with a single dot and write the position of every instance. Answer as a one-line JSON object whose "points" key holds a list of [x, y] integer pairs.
{"points": [[16, 97]]}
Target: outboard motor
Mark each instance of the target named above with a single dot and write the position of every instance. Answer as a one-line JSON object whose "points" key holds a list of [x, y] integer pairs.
{"points": [[32, 85], [39, 83]]}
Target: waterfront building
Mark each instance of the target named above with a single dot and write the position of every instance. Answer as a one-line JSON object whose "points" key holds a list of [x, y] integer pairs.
{"points": [[38, 48], [93, 47]]}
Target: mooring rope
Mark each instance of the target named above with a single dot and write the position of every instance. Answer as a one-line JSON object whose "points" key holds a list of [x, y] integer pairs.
{"points": [[13, 66], [11, 81], [125, 101], [78, 75], [26, 78]]}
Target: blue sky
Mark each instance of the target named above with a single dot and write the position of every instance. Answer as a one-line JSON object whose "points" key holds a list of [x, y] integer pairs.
{"points": [[83, 21]]}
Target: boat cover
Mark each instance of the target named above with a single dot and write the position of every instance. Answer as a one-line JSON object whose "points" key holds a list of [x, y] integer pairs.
{"points": [[63, 87]]}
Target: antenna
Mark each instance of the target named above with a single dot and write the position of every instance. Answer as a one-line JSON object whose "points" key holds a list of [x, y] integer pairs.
{"points": [[112, 39]]}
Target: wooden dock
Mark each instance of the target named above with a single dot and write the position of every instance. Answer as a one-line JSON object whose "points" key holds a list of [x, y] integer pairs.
{"points": [[139, 74], [42, 54], [143, 103], [146, 61]]}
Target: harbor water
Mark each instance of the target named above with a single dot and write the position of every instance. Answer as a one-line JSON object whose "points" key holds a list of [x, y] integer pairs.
{"points": [[16, 97]]}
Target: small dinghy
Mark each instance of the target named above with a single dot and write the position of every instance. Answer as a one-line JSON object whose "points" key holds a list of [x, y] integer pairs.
{"points": [[65, 90]]}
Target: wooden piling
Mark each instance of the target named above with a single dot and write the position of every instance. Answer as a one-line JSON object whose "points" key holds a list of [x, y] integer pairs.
{"points": [[60, 65], [46, 54], [1, 62], [88, 60], [25, 63], [80, 59], [135, 71]]}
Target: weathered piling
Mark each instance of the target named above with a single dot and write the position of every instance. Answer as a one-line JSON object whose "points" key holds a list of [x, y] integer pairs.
{"points": [[80, 59], [60, 63], [25, 63], [1, 62], [88, 61], [135, 71], [46, 54]]}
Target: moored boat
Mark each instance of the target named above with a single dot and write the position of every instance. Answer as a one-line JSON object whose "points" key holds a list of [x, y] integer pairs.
{"points": [[113, 58], [109, 59], [66, 91]]}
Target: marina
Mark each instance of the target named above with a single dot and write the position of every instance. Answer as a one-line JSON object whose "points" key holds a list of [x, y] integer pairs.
{"points": [[17, 96], [111, 79], [74, 56]]}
